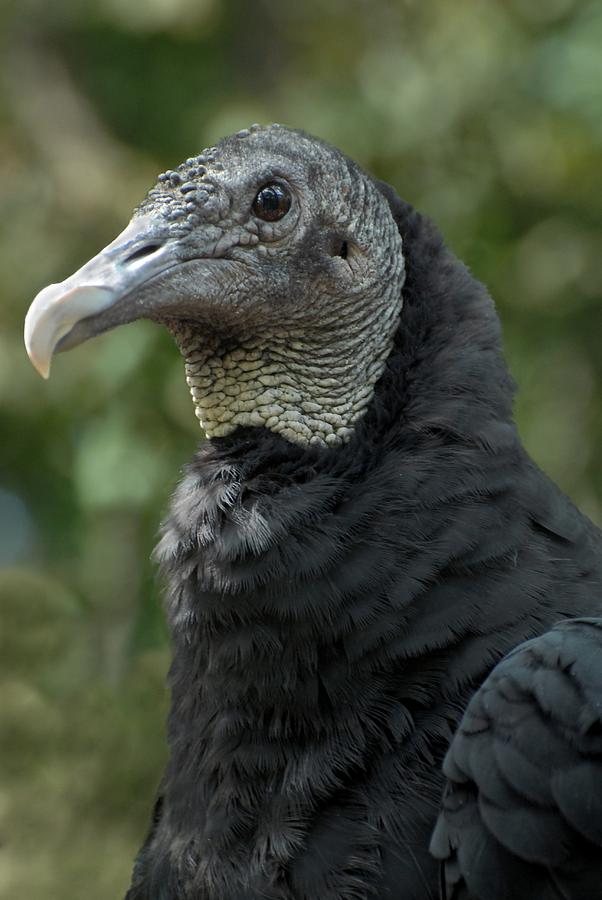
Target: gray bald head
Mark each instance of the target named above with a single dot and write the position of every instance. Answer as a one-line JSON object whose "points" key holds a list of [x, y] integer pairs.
{"points": [[275, 262]]}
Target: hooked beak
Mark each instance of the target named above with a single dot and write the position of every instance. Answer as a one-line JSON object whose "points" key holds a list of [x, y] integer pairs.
{"points": [[104, 293]]}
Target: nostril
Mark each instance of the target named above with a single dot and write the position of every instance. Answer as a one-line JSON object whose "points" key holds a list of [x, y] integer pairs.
{"points": [[141, 252]]}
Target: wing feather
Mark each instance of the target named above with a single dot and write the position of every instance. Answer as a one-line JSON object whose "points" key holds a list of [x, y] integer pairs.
{"points": [[521, 816]]}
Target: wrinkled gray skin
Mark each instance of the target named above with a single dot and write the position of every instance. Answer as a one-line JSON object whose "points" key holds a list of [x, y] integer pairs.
{"points": [[283, 324]]}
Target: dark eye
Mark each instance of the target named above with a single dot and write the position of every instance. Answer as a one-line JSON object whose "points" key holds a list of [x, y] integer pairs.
{"points": [[271, 203]]}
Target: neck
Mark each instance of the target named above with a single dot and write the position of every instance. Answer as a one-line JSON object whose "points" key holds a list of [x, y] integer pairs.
{"points": [[308, 386]]}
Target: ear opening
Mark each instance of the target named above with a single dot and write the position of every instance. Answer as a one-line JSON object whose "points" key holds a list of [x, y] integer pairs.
{"points": [[340, 246]]}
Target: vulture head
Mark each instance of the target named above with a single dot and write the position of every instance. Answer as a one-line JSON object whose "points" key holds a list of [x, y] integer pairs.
{"points": [[277, 265]]}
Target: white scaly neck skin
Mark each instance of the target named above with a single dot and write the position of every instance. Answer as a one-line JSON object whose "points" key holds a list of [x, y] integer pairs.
{"points": [[311, 388]]}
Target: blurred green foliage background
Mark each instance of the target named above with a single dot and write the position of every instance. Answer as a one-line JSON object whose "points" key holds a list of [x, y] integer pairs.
{"points": [[487, 116]]}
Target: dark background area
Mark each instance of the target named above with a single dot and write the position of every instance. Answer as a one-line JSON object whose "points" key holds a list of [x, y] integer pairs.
{"points": [[487, 116]]}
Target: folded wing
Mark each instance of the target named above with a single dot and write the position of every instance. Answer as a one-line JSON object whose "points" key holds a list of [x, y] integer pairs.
{"points": [[521, 817]]}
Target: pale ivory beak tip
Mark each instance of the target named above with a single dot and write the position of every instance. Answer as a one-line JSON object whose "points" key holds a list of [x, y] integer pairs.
{"points": [[41, 366], [38, 344], [40, 357], [54, 312]]}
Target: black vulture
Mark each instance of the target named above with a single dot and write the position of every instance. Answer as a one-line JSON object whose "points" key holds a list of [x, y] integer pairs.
{"points": [[361, 546]]}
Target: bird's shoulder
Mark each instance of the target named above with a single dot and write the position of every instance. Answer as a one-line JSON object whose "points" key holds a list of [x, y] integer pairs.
{"points": [[522, 809]]}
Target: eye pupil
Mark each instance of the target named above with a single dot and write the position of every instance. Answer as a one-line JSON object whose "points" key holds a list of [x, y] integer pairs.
{"points": [[271, 203]]}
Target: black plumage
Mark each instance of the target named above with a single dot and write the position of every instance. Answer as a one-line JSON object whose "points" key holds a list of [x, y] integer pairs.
{"points": [[522, 810], [332, 612]]}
